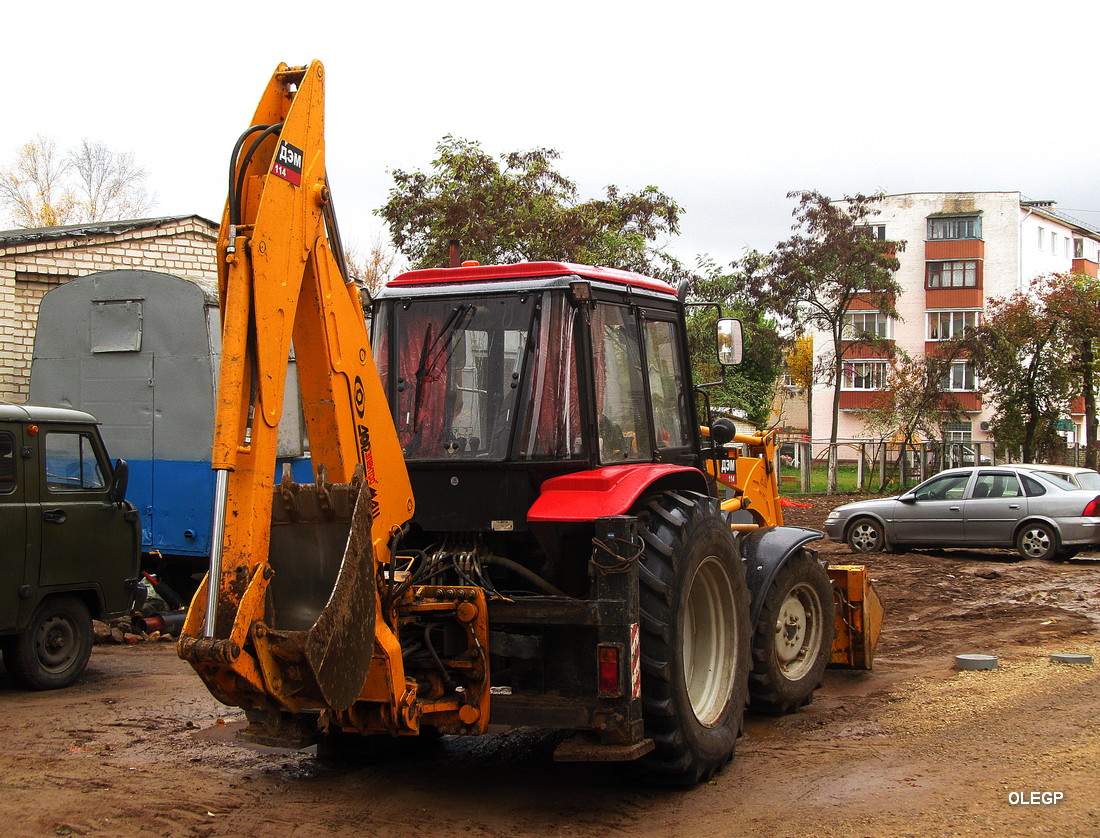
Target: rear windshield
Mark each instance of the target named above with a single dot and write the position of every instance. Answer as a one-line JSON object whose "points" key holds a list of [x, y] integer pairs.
{"points": [[1061, 481], [1088, 479]]}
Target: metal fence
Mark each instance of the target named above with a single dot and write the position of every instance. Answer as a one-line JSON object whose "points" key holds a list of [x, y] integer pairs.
{"points": [[869, 466]]}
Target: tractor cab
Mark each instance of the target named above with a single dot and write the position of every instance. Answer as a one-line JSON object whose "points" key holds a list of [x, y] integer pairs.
{"points": [[501, 377]]}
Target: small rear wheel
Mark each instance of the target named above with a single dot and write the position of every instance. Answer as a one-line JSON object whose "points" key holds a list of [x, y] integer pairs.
{"points": [[695, 638], [54, 648], [793, 641]]}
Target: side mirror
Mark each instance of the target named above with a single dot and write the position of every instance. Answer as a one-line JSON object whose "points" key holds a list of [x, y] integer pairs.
{"points": [[908, 497], [730, 342], [722, 431], [117, 491]]}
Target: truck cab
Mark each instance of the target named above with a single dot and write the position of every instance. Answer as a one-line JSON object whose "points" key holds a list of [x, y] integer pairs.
{"points": [[70, 550]]}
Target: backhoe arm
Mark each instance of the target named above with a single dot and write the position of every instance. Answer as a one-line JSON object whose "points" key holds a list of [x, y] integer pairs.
{"points": [[286, 617]]}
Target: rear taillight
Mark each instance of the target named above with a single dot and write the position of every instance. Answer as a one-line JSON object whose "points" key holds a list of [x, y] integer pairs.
{"points": [[1092, 509], [607, 657]]}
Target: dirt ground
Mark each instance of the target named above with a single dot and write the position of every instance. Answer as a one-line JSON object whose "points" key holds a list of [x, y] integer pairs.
{"points": [[138, 747]]}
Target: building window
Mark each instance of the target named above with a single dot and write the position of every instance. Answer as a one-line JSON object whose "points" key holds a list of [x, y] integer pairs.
{"points": [[862, 325], [958, 273], [1067, 247], [1078, 248], [864, 375], [958, 431], [875, 231], [948, 325], [960, 378], [967, 227], [1042, 237]]}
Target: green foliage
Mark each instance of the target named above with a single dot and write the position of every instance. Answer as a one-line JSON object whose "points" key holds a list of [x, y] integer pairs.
{"points": [[1033, 351], [811, 280], [913, 404], [750, 387], [520, 208]]}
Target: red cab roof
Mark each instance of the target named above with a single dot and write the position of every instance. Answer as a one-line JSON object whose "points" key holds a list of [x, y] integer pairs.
{"points": [[523, 270]]}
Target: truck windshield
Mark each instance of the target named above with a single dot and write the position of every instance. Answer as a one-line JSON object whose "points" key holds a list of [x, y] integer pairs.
{"points": [[459, 369]]}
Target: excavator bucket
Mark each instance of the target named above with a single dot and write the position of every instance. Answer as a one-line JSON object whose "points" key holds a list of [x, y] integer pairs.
{"points": [[307, 617], [859, 614], [322, 592]]}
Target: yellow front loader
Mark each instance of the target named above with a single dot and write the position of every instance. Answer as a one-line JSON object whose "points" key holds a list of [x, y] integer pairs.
{"points": [[745, 464]]}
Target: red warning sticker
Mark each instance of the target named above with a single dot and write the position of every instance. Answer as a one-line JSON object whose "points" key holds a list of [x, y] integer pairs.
{"points": [[288, 163]]}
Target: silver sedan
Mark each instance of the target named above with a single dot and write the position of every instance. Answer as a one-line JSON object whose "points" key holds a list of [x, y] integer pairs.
{"points": [[1042, 515]]}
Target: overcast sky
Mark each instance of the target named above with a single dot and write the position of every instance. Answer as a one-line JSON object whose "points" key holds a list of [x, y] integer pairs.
{"points": [[726, 107]]}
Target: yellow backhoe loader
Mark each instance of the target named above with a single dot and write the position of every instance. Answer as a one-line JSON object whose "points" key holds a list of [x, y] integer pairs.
{"points": [[568, 563]]}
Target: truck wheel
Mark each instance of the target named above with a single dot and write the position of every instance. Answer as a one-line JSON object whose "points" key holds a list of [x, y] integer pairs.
{"points": [[694, 640], [54, 648], [793, 642]]}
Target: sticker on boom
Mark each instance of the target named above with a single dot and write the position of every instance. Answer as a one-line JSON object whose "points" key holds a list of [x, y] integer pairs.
{"points": [[288, 163]]}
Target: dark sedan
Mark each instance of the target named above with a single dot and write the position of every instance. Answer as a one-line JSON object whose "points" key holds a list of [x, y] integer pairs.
{"points": [[1040, 515]]}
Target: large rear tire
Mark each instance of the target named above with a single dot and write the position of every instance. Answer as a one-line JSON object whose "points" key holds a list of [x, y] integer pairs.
{"points": [[793, 641], [695, 637]]}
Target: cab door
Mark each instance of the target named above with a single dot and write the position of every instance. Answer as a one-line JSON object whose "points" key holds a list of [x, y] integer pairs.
{"points": [[13, 525], [86, 539]]}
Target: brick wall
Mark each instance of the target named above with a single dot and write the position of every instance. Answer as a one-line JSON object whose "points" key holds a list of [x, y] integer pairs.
{"points": [[27, 271]]}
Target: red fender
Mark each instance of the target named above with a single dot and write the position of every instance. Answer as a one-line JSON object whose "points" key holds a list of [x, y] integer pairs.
{"points": [[611, 490]]}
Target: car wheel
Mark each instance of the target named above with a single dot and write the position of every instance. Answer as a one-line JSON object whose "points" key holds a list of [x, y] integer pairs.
{"points": [[865, 536], [1037, 540], [55, 647]]}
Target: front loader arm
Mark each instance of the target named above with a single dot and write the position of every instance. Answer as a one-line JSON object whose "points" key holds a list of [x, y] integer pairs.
{"points": [[288, 615]]}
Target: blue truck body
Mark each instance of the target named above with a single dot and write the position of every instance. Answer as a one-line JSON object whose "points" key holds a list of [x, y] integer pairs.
{"points": [[139, 350]]}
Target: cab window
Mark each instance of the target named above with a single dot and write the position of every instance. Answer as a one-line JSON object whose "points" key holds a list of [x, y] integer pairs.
{"points": [[71, 463], [620, 385], [7, 463], [666, 384]]}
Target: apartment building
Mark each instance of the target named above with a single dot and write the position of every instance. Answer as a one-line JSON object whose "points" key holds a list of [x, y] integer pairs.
{"points": [[962, 249]]}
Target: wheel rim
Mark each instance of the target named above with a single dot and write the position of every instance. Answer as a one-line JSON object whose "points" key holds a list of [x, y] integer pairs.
{"points": [[798, 631], [864, 537], [709, 641], [1036, 542], [55, 643]]}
